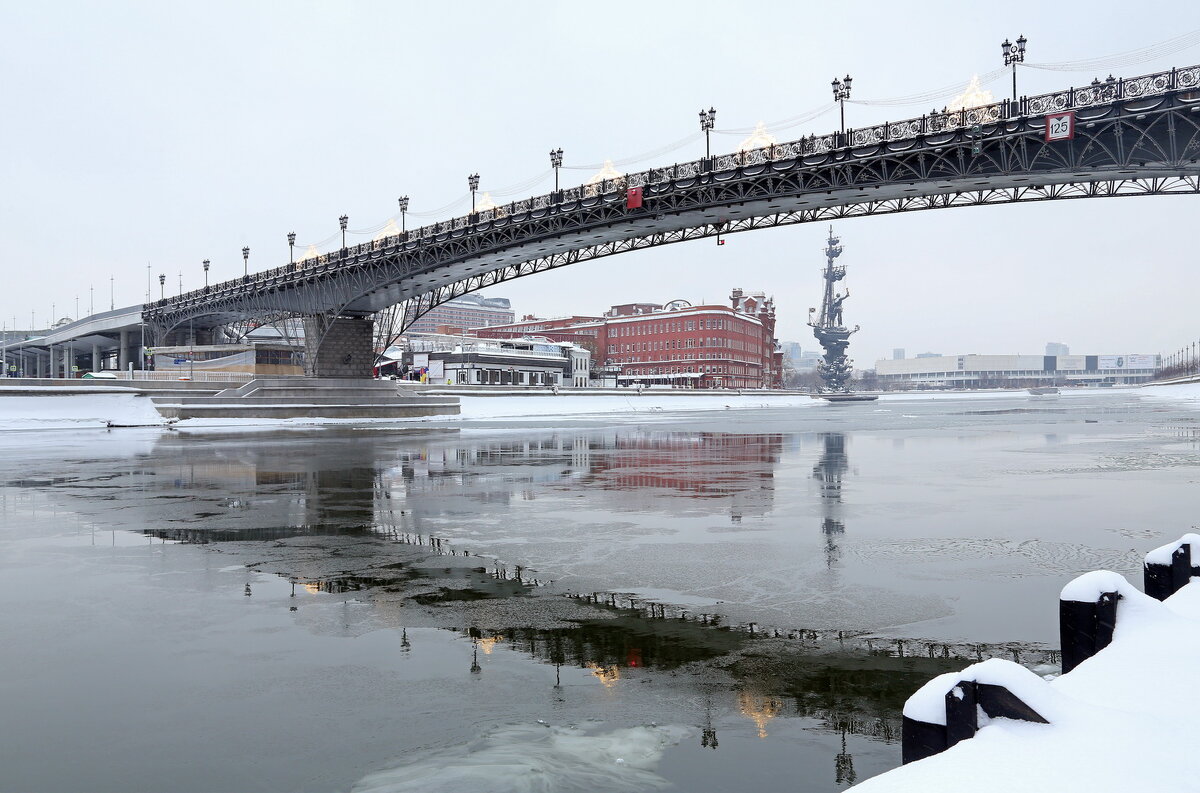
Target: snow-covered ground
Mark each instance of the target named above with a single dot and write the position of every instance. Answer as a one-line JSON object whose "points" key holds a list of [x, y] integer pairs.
{"points": [[86, 409], [101, 407], [1122, 721], [1187, 392]]}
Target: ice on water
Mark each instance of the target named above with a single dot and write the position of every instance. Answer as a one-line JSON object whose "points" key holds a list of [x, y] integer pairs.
{"points": [[536, 758]]}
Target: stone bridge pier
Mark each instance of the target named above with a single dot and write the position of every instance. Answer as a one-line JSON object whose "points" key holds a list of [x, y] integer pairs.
{"points": [[339, 347]]}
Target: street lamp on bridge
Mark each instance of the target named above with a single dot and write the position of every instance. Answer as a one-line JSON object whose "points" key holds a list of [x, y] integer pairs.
{"points": [[1014, 53], [403, 213], [162, 286], [206, 263], [473, 182], [245, 261], [342, 221], [841, 92], [556, 163], [291, 247], [708, 119]]}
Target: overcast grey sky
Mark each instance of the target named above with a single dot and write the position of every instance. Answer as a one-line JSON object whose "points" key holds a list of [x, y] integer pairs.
{"points": [[169, 133]]}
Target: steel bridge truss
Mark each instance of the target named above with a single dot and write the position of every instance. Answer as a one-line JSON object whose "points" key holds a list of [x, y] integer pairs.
{"points": [[1144, 144]]}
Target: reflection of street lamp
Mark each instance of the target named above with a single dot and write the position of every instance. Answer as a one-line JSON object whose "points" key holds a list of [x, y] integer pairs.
{"points": [[841, 92], [473, 182], [1014, 53], [707, 120], [403, 213]]}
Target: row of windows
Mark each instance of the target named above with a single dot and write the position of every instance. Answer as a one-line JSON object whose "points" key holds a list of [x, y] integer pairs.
{"points": [[677, 326], [1023, 373], [704, 356], [684, 344], [649, 370]]}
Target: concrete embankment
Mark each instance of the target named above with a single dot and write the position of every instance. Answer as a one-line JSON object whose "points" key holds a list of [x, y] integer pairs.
{"points": [[44, 404]]}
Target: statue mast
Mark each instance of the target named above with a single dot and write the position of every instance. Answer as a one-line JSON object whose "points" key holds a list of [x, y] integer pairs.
{"points": [[831, 333]]}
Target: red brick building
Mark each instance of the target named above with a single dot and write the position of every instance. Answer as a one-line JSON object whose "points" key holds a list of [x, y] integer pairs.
{"points": [[711, 346]]}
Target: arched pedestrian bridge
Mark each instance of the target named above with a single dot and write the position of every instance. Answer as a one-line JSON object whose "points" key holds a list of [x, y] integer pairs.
{"points": [[1131, 137]]}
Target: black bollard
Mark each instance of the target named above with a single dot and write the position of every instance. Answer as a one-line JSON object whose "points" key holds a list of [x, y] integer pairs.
{"points": [[964, 700], [920, 739], [962, 713], [1163, 580], [1085, 628]]}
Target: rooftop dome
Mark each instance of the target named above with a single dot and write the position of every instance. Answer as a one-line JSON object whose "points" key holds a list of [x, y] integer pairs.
{"points": [[607, 172], [974, 96], [759, 139]]}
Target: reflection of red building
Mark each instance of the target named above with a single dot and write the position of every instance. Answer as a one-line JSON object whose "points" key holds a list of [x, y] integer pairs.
{"points": [[710, 346], [705, 463]]}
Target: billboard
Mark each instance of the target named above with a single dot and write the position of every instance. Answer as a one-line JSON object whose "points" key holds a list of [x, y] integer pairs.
{"points": [[437, 370], [420, 360], [1126, 362], [1071, 363]]}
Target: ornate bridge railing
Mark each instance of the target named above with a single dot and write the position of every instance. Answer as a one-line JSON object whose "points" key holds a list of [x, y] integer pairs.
{"points": [[679, 174]]}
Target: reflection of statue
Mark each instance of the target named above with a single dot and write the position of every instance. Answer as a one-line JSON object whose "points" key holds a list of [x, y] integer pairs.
{"points": [[829, 470]]}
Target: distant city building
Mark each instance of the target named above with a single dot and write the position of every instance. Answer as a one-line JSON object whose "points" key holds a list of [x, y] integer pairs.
{"points": [[800, 359], [999, 371], [708, 346], [929, 355], [468, 311], [898, 354], [1057, 348]]}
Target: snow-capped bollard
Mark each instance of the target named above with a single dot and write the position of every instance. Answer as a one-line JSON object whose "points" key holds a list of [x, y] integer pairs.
{"points": [[946, 709], [1169, 568], [1087, 615], [1085, 629]]}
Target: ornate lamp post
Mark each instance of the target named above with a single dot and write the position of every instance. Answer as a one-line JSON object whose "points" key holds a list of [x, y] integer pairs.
{"points": [[206, 263], [1014, 53], [556, 163], [342, 221], [473, 182], [403, 213], [291, 247], [707, 119], [162, 286], [245, 261], [841, 92]]}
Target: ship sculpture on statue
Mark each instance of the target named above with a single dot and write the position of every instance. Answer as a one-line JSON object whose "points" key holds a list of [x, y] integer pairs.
{"points": [[831, 331]]}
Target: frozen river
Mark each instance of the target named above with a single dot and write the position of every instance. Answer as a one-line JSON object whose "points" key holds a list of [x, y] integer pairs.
{"points": [[752, 593]]}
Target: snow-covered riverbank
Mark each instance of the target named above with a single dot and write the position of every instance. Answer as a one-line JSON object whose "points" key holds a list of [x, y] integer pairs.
{"points": [[100, 407]]}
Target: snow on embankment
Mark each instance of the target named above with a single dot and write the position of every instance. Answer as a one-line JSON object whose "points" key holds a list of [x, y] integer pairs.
{"points": [[1122, 721], [1182, 392], [536, 407], [75, 408]]}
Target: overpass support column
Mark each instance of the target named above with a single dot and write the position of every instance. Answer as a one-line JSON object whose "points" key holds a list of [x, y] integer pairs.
{"points": [[123, 351], [339, 347], [95, 357], [53, 363]]}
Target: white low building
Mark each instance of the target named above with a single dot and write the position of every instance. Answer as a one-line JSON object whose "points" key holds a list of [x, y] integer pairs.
{"points": [[458, 360], [1000, 371]]}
